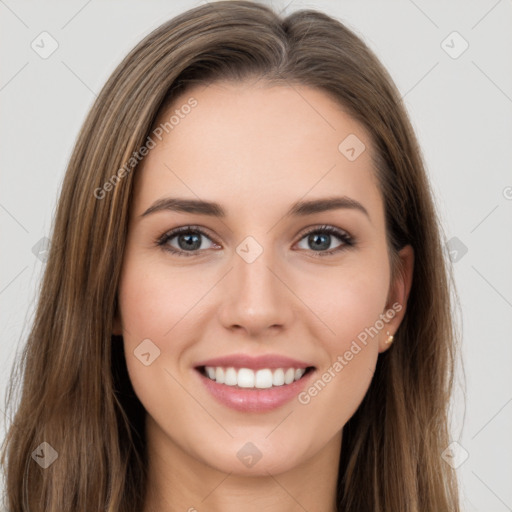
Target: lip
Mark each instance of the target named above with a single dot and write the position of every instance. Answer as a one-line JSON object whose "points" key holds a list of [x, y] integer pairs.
{"points": [[271, 361], [255, 400]]}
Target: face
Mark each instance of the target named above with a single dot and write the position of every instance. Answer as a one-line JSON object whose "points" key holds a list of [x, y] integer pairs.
{"points": [[262, 287]]}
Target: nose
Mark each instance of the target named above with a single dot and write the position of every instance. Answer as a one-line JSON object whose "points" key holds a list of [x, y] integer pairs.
{"points": [[255, 297]]}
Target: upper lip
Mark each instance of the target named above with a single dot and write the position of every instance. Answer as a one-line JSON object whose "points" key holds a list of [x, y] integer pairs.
{"points": [[254, 363]]}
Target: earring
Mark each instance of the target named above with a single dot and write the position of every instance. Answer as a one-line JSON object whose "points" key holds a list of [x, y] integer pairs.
{"points": [[390, 338]]}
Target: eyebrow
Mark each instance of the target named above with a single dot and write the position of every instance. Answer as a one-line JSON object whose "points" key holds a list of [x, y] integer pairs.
{"points": [[300, 208]]}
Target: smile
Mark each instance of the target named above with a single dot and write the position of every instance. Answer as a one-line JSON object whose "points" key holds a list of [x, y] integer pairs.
{"points": [[249, 379], [248, 390]]}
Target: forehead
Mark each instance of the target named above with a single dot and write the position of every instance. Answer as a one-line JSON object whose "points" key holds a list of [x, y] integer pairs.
{"points": [[256, 144]]}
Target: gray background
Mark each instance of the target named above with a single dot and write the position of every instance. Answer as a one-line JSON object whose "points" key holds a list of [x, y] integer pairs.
{"points": [[461, 110]]}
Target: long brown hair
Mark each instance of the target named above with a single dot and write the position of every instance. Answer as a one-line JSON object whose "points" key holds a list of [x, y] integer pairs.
{"points": [[76, 395]]}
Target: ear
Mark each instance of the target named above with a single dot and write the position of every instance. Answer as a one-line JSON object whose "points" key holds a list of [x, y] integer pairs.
{"points": [[397, 297]]}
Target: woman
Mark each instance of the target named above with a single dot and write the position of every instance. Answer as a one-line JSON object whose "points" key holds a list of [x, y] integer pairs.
{"points": [[246, 303]]}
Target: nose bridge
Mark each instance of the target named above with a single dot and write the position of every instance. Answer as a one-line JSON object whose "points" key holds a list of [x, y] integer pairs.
{"points": [[254, 297]]}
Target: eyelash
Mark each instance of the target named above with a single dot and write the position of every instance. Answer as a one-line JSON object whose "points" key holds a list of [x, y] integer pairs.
{"points": [[344, 237]]}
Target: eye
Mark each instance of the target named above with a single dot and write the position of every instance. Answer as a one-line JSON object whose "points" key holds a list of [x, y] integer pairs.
{"points": [[187, 239], [320, 238]]}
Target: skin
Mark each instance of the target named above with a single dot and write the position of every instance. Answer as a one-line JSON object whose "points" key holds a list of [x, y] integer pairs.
{"points": [[255, 149]]}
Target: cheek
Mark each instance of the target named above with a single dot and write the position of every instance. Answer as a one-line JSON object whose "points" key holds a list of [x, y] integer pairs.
{"points": [[159, 303], [357, 304], [156, 304], [347, 299], [153, 298], [353, 314]]}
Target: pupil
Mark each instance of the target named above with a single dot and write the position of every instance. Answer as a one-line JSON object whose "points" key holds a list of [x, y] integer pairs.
{"points": [[314, 238], [189, 242]]}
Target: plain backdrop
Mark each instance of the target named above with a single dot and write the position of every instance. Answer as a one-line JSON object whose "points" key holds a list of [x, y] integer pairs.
{"points": [[452, 64]]}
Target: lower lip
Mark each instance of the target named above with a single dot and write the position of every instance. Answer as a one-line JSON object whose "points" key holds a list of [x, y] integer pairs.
{"points": [[252, 399]]}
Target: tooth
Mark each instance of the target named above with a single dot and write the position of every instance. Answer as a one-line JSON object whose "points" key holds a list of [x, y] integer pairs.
{"points": [[289, 376], [278, 377], [230, 378], [245, 378], [248, 378], [263, 379], [219, 375]]}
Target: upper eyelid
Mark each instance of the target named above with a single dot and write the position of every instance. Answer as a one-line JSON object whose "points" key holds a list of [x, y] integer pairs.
{"points": [[320, 227], [184, 229]]}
